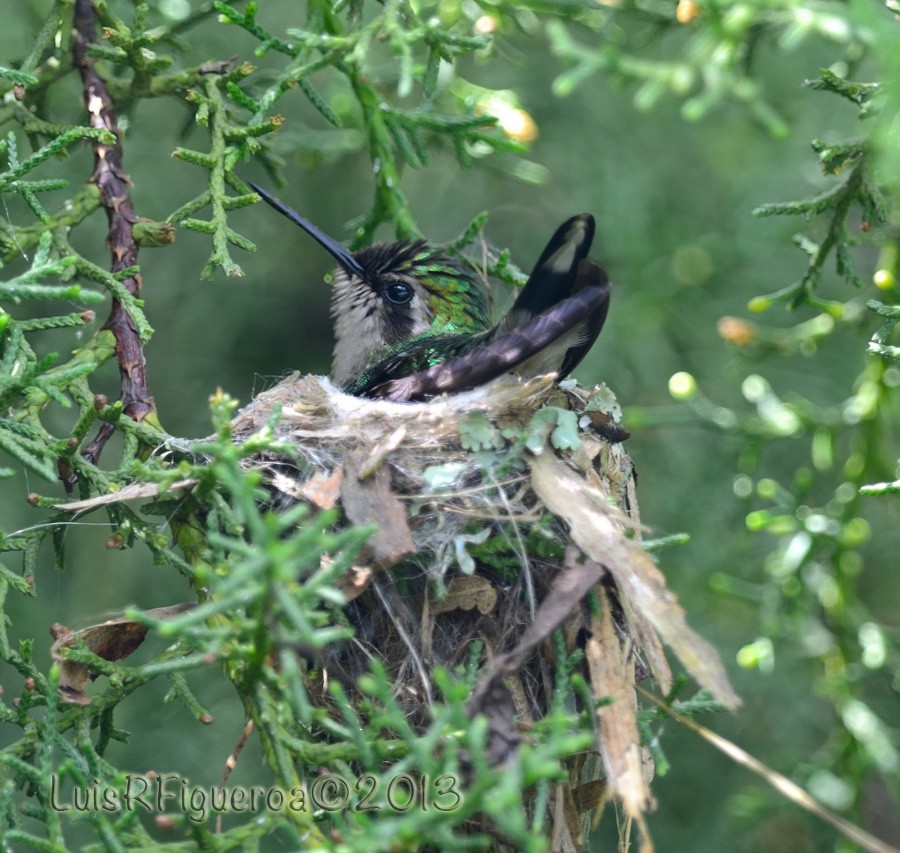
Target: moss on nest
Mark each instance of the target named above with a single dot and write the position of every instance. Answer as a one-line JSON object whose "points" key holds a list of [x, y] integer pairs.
{"points": [[505, 547], [501, 515]]}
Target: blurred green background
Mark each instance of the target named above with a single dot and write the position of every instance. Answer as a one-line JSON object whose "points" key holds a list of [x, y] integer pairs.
{"points": [[673, 202]]}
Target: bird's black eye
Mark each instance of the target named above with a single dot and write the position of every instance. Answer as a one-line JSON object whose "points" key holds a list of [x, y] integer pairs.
{"points": [[398, 293]]}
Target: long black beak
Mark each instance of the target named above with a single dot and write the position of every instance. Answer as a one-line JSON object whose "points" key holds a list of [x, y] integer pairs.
{"points": [[338, 251]]}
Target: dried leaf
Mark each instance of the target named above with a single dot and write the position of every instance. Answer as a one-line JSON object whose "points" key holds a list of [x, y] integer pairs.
{"points": [[354, 581], [598, 529], [323, 490], [612, 675], [503, 737], [566, 824], [371, 501], [651, 648], [467, 592], [590, 795], [112, 640]]}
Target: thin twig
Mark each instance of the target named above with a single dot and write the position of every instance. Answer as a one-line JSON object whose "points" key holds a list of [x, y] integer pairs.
{"points": [[780, 783], [231, 763]]}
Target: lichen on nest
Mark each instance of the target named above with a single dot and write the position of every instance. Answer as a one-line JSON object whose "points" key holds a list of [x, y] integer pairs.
{"points": [[453, 462], [502, 514], [506, 545]]}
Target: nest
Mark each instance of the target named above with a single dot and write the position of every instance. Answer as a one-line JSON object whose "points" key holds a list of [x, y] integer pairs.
{"points": [[506, 533], [502, 514]]}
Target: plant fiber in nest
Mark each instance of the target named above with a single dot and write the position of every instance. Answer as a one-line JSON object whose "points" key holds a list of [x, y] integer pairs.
{"points": [[502, 514]]}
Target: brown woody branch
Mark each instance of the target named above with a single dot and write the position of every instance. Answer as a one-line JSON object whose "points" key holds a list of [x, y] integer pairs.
{"points": [[112, 181]]}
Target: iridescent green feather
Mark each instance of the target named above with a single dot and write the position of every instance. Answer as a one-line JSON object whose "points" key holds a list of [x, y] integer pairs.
{"points": [[456, 295], [419, 353]]}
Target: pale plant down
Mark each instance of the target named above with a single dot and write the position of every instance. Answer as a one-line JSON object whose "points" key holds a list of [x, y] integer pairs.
{"points": [[403, 467]]}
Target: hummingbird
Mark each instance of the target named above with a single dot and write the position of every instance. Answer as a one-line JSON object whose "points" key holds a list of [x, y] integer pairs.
{"points": [[411, 321]]}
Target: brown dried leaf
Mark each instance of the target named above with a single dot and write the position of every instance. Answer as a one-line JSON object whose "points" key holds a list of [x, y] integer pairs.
{"points": [[354, 581], [323, 490], [566, 824], [612, 675], [112, 640], [590, 796], [647, 641], [467, 592], [371, 501], [598, 529], [503, 736]]}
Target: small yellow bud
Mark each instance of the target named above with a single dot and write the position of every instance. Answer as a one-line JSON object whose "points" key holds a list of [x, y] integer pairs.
{"points": [[835, 310], [757, 655], [682, 386], [686, 11], [883, 279], [518, 125], [736, 331], [759, 304], [485, 25]]}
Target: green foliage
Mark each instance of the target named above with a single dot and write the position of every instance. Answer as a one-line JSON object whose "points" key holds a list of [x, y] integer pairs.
{"points": [[345, 48], [879, 343], [858, 187], [816, 513], [538, 542], [27, 382], [719, 43]]}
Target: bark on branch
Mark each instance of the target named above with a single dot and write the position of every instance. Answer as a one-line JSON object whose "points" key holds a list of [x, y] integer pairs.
{"points": [[112, 181]]}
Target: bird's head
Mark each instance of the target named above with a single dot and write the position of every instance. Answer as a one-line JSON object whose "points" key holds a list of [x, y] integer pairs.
{"points": [[389, 293]]}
